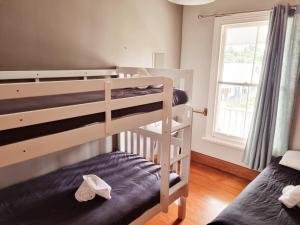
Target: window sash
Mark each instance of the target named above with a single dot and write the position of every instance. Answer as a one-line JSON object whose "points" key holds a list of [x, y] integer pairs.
{"points": [[216, 67], [246, 84], [220, 135], [224, 135], [223, 36]]}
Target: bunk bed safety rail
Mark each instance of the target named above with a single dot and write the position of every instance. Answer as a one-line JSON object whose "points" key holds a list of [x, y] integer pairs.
{"points": [[182, 78], [139, 142], [24, 90]]}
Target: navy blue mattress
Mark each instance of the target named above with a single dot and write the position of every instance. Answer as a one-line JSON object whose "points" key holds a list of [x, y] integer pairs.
{"points": [[49, 199], [258, 204], [35, 103]]}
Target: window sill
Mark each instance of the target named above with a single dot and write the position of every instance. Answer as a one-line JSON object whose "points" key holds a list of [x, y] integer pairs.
{"points": [[225, 143]]}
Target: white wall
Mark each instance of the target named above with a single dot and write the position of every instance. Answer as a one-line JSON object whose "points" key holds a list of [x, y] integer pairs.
{"points": [[295, 130], [196, 54]]}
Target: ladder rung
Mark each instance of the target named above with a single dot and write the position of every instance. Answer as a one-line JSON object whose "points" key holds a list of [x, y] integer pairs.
{"points": [[178, 158]]}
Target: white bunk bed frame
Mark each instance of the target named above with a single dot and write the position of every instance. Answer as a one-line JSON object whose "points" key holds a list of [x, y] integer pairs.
{"points": [[171, 151]]}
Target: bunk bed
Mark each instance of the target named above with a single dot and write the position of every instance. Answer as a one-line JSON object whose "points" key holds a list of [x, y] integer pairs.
{"points": [[43, 112]]}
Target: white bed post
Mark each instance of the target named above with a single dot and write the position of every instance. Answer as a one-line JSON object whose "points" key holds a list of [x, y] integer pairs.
{"points": [[182, 208], [166, 142], [185, 163], [185, 170]]}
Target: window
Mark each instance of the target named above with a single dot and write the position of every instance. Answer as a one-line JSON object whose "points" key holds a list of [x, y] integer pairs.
{"points": [[239, 45]]}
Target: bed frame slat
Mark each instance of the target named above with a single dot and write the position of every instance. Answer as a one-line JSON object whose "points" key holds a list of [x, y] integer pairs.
{"points": [[137, 82], [40, 74], [151, 150], [138, 140], [132, 142], [159, 153], [126, 141], [14, 120], [145, 147], [24, 90], [135, 101], [25, 150], [126, 123]]}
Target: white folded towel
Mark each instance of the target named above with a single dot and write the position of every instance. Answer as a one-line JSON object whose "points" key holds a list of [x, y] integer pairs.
{"points": [[290, 196], [84, 193], [91, 186], [99, 186]]}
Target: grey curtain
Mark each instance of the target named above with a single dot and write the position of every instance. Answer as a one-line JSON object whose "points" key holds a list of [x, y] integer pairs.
{"points": [[288, 85], [259, 147]]}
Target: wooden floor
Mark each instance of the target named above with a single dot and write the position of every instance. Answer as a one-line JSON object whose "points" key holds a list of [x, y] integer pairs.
{"points": [[211, 191]]}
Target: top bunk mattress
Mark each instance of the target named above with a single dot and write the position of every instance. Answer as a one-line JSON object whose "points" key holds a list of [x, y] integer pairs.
{"points": [[49, 199], [36, 103], [258, 204]]}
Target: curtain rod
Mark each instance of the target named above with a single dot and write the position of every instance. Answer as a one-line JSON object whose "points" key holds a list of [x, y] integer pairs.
{"points": [[203, 16]]}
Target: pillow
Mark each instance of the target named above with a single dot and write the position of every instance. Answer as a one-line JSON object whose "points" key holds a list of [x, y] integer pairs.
{"points": [[138, 76], [146, 74], [291, 159]]}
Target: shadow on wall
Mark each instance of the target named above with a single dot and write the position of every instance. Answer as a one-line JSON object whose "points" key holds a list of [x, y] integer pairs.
{"points": [[90, 34]]}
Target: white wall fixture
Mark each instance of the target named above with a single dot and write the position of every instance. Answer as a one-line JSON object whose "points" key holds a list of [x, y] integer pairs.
{"points": [[158, 60], [191, 2]]}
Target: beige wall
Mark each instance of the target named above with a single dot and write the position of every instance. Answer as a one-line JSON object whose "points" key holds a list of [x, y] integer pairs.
{"points": [[83, 34], [196, 54], [77, 34]]}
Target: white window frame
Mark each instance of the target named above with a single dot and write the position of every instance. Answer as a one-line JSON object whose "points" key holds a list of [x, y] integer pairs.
{"points": [[228, 141]]}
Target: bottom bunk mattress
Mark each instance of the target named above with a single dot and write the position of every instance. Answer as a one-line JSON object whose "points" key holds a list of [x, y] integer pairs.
{"points": [[49, 199], [258, 204]]}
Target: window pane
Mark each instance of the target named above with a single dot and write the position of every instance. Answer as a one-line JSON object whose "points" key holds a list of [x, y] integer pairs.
{"points": [[231, 112], [239, 51], [243, 51], [235, 110]]}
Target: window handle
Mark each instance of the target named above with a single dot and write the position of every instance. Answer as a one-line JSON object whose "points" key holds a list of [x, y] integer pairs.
{"points": [[204, 112]]}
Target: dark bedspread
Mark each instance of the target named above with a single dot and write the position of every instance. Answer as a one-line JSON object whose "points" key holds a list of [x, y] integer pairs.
{"points": [[258, 204], [49, 200], [35, 103]]}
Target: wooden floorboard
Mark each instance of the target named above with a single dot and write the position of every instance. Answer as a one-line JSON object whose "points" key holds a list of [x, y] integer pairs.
{"points": [[211, 191]]}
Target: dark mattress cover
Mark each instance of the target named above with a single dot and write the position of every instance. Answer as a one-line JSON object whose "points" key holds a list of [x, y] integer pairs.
{"points": [[35, 103], [258, 204], [49, 199]]}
